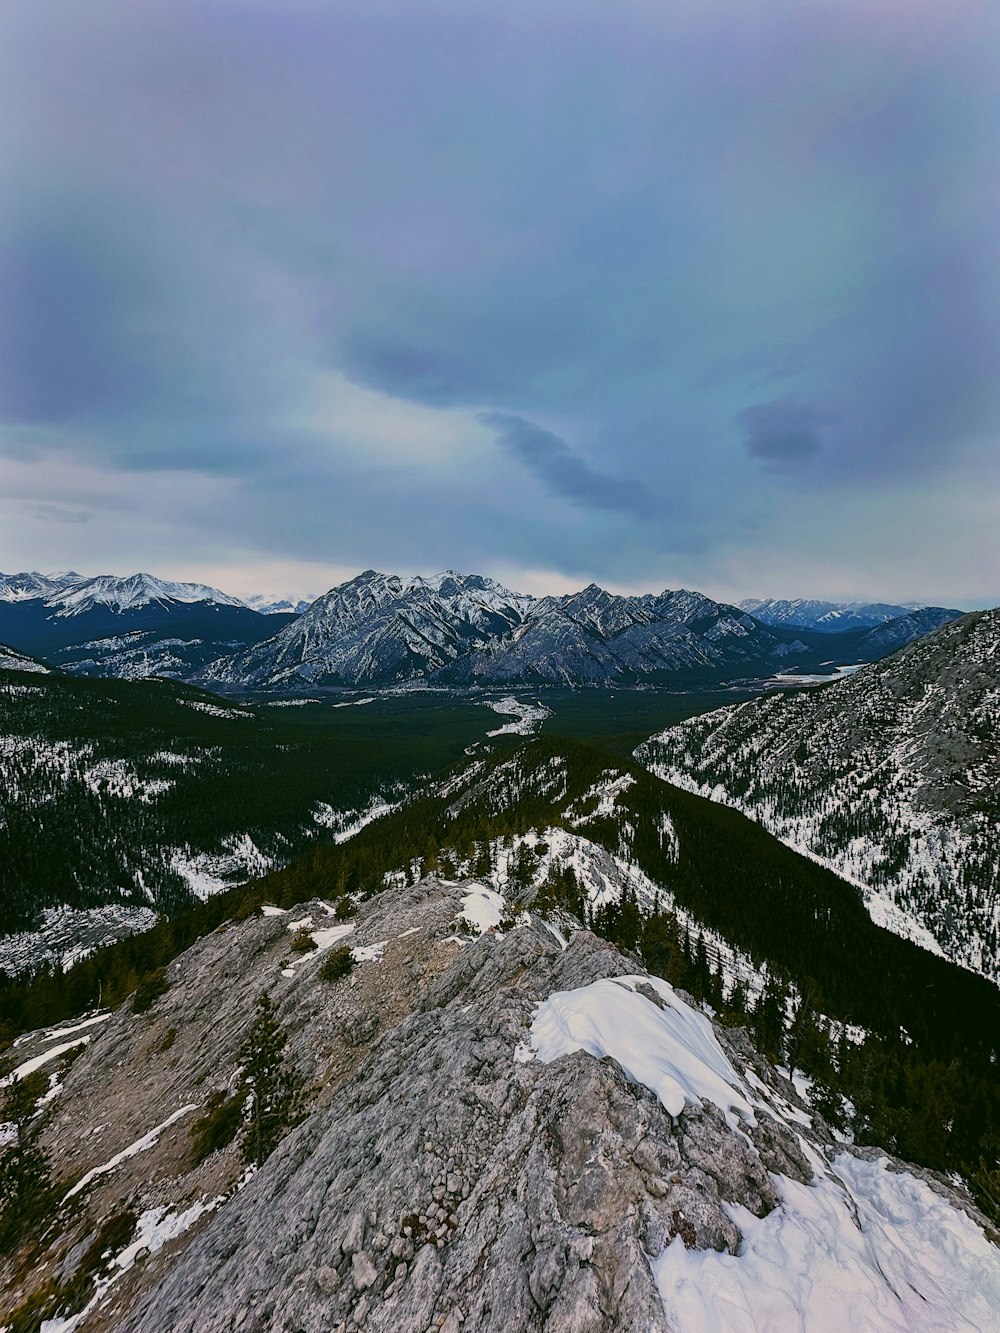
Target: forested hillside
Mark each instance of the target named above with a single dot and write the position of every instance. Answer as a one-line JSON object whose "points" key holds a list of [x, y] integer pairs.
{"points": [[120, 800], [890, 775]]}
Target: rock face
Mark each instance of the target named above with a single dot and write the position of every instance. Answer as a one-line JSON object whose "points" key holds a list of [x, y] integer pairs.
{"points": [[464, 1165], [890, 775], [381, 628]]}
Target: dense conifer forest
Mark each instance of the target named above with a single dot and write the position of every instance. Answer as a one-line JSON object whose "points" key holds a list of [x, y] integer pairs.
{"points": [[106, 783]]}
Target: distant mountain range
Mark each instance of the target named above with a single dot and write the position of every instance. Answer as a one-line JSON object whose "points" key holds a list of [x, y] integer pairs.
{"points": [[451, 629], [890, 776], [828, 617]]}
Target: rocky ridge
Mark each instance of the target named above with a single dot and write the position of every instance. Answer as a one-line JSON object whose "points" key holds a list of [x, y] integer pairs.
{"points": [[466, 1161]]}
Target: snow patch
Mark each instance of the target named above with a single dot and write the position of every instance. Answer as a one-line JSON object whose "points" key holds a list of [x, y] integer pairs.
{"points": [[666, 1046], [482, 908], [861, 1248], [528, 717], [369, 953], [36, 1062]]}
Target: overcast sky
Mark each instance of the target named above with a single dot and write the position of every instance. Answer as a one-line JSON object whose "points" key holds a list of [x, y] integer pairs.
{"points": [[657, 293]]}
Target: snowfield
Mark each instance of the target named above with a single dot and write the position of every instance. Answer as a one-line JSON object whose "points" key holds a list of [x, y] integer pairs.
{"points": [[527, 717], [862, 1250]]}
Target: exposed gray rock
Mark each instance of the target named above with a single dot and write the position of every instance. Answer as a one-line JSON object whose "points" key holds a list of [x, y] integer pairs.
{"points": [[440, 1180]]}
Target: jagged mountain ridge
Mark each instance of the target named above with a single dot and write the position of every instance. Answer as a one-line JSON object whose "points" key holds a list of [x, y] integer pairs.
{"points": [[464, 629], [31, 584], [379, 627], [450, 629], [891, 776], [129, 627], [72, 594], [505, 1127]]}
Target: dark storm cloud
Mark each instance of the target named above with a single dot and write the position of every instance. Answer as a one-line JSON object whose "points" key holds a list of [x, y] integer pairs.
{"points": [[783, 432], [734, 249], [555, 463]]}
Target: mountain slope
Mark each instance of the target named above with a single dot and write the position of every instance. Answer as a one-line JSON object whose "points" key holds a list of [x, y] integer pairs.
{"points": [[30, 585], [897, 633], [127, 627], [77, 596], [890, 775], [503, 1128], [379, 629], [452, 629], [12, 660]]}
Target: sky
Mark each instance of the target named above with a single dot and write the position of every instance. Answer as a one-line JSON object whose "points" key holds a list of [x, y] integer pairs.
{"points": [[654, 294]]}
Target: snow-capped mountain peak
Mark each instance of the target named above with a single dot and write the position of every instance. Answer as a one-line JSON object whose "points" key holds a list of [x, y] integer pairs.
{"points": [[129, 593], [30, 585]]}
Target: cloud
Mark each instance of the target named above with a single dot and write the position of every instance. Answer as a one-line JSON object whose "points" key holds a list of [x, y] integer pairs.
{"points": [[331, 265], [56, 514], [783, 432], [554, 462]]}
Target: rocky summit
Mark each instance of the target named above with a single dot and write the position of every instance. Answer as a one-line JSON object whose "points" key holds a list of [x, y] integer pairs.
{"points": [[506, 1123]]}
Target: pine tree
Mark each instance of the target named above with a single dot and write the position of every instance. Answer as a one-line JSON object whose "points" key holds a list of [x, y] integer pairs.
{"points": [[274, 1088], [25, 1182]]}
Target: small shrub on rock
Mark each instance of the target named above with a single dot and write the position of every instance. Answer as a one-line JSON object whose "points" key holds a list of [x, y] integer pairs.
{"points": [[150, 988], [217, 1128], [338, 963]]}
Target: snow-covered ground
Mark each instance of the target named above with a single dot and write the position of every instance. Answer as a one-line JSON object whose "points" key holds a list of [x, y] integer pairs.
{"points": [[154, 1229], [667, 1046], [13, 661], [206, 874], [213, 709], [68, 934], [863, 1248], [528, 717], [344, 824], [482, 908]]}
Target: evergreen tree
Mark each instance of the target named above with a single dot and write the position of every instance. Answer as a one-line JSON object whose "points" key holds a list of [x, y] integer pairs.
{"points": [[274, 1088], [25, 1182], [767, 1022]]}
